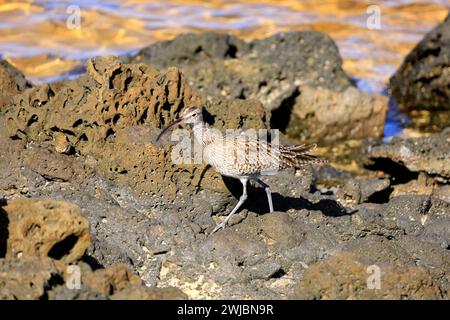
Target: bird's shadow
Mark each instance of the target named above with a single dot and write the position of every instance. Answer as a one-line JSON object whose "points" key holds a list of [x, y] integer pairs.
{"points": [[257, 201]]}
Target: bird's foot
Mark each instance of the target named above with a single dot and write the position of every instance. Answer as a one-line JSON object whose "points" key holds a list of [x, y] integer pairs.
{"points": [[221, 225]]}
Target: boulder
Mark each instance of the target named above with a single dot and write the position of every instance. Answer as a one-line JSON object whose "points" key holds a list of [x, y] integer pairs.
{"points": [[45, 228], [146, 293], [423, 79], [29, 278], [46, 278], [327, 116], [89, 110], [112, 113], [295, 75], [363, 190], [219, 65], [346, 276], [12, 82], [423, 154]]}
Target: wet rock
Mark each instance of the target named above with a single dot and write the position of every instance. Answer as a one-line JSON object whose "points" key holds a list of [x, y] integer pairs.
{"points": [[424, 154], [46, 228], [29, 278], [345, 276], [12, 82], [423, 80], [325, 116]]}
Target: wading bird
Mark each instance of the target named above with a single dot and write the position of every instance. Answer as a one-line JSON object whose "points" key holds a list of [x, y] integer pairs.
{"points": [[241, 156]]}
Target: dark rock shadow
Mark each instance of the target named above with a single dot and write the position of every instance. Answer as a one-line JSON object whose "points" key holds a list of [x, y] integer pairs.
{"points": [[281, 116], [399, 173], [257, 201], [92, 262], [63, 248], [4, 234]]}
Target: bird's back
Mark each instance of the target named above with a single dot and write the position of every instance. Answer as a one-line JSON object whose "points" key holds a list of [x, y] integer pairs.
{"points": [[238, 155]]}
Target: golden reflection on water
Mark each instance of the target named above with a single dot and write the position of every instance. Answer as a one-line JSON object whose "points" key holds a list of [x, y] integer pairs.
{"points": [[35, 38]]}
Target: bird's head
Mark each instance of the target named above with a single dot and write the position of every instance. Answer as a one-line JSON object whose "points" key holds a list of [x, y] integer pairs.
{"points": [[189, 115]]}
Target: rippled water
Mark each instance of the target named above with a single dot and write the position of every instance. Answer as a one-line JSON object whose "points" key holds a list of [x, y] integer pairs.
{"points": [[34, 35]]}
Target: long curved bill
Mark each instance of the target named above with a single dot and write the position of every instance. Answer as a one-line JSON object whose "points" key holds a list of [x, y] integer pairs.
{"points": [[170, 125]]}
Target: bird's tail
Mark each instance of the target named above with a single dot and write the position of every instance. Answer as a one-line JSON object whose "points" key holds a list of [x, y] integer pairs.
{"points": [[297, 156]]}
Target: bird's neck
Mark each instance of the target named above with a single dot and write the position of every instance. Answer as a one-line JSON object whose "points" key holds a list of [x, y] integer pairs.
{"points": [[198, 128], [202, 132]]}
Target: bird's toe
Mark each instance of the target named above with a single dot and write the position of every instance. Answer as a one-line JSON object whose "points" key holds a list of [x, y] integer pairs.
{"points": [[218, 227]]}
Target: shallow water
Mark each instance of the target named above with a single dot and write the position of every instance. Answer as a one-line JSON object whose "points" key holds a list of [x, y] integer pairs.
{"points": [[34, 35]]}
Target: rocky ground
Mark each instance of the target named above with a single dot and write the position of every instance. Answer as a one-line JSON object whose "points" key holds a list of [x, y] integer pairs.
{"points": [[84, 183]]}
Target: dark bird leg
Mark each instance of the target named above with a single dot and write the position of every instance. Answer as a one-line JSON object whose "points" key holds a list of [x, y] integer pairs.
{"points": [[268, 192], [236, 208]]}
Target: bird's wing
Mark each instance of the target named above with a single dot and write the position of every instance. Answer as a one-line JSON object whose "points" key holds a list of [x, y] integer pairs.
{"points": [[251, 155]]}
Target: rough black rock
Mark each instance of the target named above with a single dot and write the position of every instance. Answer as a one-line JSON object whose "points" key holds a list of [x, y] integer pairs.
{"points": [[423, 80], [269, 69]]}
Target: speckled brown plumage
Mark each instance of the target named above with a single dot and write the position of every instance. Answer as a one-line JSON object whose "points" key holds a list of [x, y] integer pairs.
{"points": [[242, 156]]}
